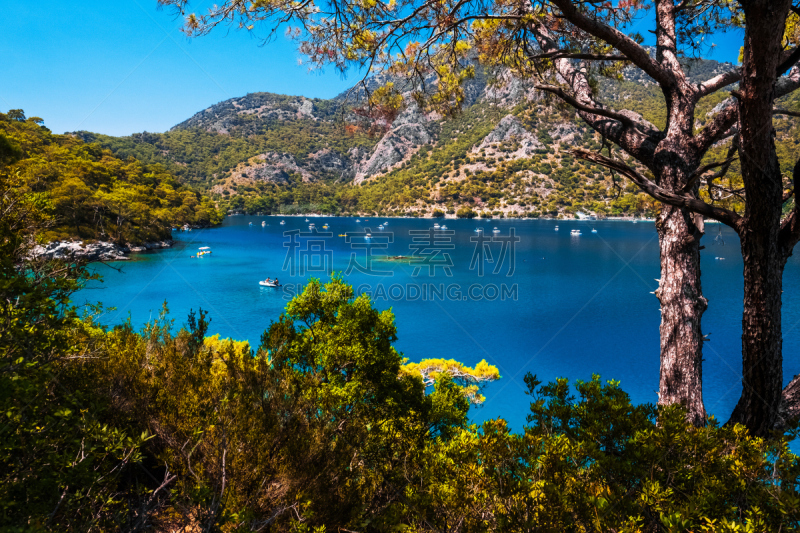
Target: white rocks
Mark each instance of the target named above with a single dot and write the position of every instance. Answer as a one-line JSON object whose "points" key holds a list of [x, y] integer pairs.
{"points": [[96, 251]]}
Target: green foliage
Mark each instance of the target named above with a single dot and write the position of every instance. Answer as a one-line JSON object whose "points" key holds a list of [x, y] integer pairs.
{"points": [[95, 195]]}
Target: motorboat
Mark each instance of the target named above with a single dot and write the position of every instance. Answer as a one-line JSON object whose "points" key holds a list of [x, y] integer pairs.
{"points": [[478, 230], [251, 224], [268, 284], [556, 227], [368, 236], [575, 232], [283, 222], [380, 227], [264, 223], [495, 230], [443, 227], [358, 220], [436, 226], [594, 230]]}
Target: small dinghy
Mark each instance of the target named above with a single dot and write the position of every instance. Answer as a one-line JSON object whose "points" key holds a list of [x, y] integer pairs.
{"points": [[264, 223], [268, 283], [283, 222]]}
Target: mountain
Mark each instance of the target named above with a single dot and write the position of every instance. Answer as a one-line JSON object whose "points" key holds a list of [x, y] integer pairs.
{"points": [[505, 153]]}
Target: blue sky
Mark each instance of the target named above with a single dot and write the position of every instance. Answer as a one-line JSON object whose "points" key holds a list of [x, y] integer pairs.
{"points": [[121, 67]]}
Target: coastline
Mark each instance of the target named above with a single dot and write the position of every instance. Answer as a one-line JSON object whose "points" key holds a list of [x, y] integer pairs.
{"points": [[95, 251]]}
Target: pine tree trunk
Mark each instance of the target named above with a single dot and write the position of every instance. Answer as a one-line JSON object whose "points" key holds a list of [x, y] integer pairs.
{"points": [[762, 372], [682, 306]]}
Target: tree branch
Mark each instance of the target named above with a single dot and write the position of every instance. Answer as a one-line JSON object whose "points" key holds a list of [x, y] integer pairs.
{"points": [[786, 112], [718, 82], [662, 195], [562, 54], [635, 52]]}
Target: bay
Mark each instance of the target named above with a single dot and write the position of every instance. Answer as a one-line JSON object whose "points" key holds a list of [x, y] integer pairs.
{"points": [[573, 305]]}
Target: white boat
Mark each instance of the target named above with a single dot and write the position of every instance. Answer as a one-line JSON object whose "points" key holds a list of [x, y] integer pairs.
{"points": [[380, 227], [556, 227], [358, 220], [268, 284], [283, 222], [311, 226], [443, 227], [368, 236], [385, 223], [251, 223], [594, 230], [436, 226], [478, 230], [495, 230], [263, 223], [575, 232]]}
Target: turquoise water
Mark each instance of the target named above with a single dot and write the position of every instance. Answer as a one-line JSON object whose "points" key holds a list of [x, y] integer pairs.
{"points": [[573, 306]]}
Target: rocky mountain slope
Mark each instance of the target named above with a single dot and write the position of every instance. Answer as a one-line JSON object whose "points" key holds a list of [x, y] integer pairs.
{"points": [[506, 153]]}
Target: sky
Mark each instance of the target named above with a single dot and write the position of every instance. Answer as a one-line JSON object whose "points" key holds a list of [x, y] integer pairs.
{"points": [[120, 67]]}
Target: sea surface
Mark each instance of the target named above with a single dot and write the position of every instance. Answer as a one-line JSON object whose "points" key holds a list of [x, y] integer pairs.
{"points": [[526, 299]]}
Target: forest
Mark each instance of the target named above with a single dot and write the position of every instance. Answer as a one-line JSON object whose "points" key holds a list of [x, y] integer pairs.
{"points": [[91, 193]]}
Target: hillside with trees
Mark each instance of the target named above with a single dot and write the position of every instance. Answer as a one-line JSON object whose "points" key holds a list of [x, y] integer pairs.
{"points": [[506, 153], [94, 195]]}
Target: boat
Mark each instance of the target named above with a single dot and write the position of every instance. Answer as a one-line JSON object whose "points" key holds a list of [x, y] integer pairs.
{"points": [[270, 284], [306, 220], [311, 226], [283, 222], [368, 236], [251, 224], [343, 235], [575, 232], [594, 230], [385, 223], [264, 223], [478, 230], [358, 220], [443, 227], [380, 227], [325, 226], [495, 230], [556, 227], [436, 226]]}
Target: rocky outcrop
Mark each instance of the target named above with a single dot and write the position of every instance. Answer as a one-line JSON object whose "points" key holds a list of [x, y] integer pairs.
{"points": [[96, 251], [408, 132], [510, 129]]}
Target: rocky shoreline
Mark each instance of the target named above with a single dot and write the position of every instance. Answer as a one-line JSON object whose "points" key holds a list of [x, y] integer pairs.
{"points": [[96, 251]]}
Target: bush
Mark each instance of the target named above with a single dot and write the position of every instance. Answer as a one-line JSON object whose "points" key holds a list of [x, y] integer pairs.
{"points": [[465, 212]]}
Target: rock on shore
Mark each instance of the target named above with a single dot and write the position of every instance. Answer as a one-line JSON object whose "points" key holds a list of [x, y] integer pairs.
{"points": [[96, 251]]}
